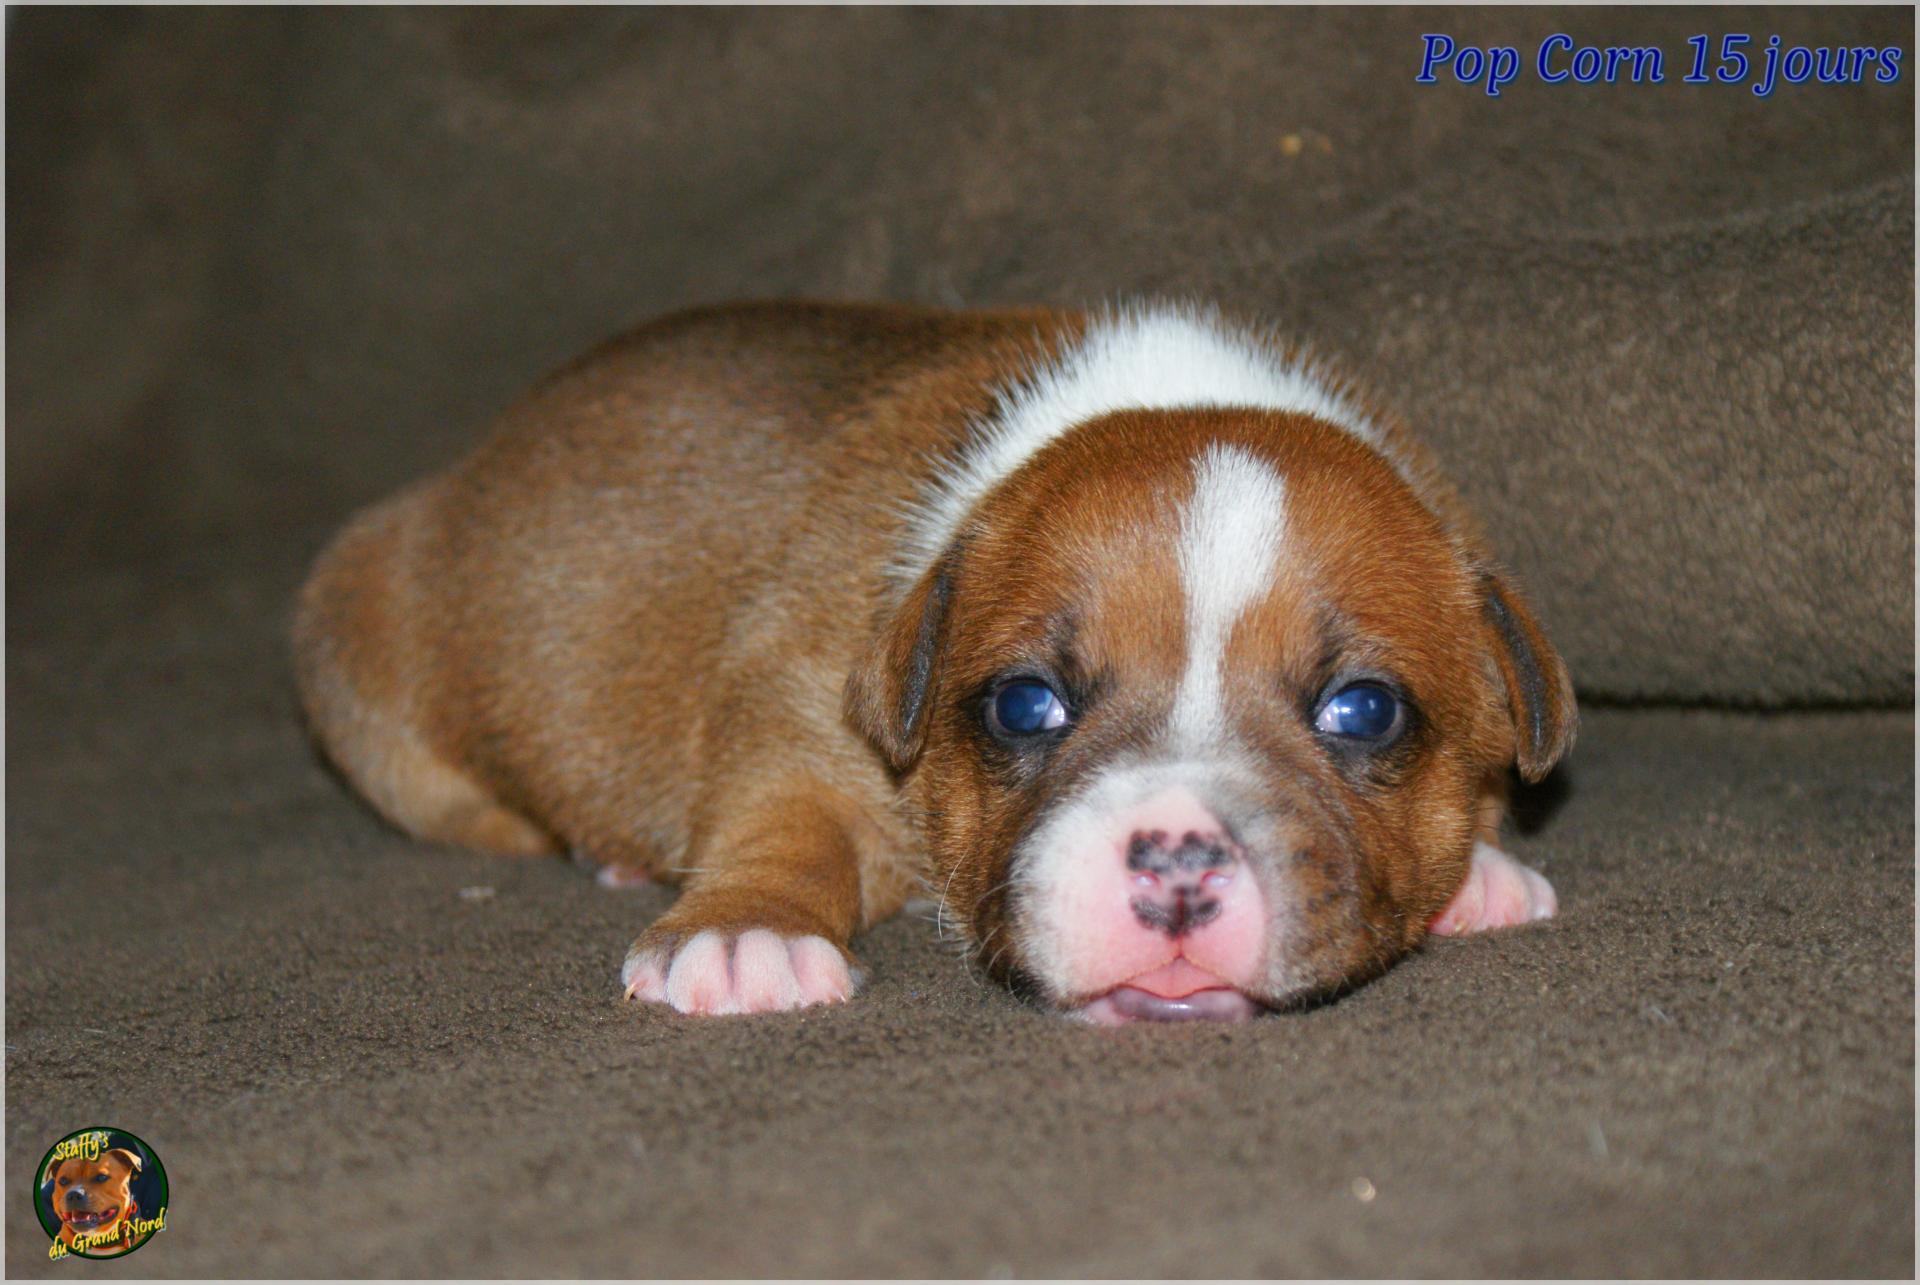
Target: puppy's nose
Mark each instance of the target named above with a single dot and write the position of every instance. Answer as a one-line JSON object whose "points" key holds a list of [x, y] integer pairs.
{"points": [[1180, 881], [76, 1197]]}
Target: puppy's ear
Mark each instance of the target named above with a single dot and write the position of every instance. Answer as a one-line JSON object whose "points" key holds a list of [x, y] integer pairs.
{"points": [[1539, 692], [892, 686], [127, 1158]]}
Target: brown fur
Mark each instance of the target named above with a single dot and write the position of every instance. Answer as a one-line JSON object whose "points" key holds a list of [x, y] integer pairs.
{"points": [[625, 622], [1384, 857], [106, 1182]]}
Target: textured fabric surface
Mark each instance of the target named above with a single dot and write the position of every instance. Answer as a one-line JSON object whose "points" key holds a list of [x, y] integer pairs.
{"points": [[265, 266], [1705, 1066]]}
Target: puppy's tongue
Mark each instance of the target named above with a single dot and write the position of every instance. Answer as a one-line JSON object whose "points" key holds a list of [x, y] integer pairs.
{"points": [[1175, 992]]}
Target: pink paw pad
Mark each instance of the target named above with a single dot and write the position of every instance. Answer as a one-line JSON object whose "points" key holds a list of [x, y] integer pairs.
{"points": [[757, 972], [1499, 892]]}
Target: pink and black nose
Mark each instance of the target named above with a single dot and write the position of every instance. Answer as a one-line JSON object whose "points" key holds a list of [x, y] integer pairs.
{"points": [[1180, 881]]}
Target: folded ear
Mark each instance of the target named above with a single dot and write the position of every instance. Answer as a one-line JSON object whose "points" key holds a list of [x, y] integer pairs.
{"points": [[1539, 692], [891, 688], [127, 1158]]}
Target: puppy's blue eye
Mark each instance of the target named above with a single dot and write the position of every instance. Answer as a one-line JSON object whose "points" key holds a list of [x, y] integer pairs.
{"points": [[1365, 711], [1028, 707]]}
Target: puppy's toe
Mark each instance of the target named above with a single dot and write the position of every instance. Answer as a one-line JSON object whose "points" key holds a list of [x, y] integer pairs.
{"points": [[821, 971], [612, 874], [644, 975], [1499, 892], [618, 877], [699, 980], [759, 971]]}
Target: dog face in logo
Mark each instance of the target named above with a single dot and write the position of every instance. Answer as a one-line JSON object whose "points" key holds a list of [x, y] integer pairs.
{"points": [[94, 1200]]}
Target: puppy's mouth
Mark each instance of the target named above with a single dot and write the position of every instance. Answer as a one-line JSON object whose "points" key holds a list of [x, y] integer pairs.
{"points": [[89, 1219], [1176, 992]]}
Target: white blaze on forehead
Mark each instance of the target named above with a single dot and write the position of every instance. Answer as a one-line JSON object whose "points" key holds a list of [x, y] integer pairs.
{"points": [[1159, 357], [1232, 536], [1231, 532]]}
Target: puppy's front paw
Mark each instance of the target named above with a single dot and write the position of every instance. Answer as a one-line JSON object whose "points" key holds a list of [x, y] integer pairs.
{"points": [[1499, 892], [758, 971]]}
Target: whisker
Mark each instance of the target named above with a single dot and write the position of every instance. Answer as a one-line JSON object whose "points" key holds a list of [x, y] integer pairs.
{"points": [[1003, 950], [940, 931], [1002, 886]]}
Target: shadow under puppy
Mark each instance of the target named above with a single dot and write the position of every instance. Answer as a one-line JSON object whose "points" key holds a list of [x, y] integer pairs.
{"points": [[1168, 663]]}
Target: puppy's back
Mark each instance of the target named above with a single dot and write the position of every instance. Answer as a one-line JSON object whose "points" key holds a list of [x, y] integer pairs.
{"points": [[497, 652]]}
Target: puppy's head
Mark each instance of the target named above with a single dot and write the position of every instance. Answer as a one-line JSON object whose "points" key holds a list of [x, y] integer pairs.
{"points": [[1203, 707], [92, 1196]]}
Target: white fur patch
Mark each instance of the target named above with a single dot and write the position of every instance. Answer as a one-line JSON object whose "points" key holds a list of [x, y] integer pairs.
{"points": [[1139, 357], [1231, 532]]}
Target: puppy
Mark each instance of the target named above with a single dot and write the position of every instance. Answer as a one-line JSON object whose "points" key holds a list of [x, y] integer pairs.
{"points": [[94, 1200], [1160, 656]]}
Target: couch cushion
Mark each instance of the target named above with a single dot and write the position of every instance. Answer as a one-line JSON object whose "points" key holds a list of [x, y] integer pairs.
{"points": [[263, 267]]}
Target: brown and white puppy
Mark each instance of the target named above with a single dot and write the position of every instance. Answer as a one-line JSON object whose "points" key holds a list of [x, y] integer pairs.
{"points": [[1166, 662], [94, 1199]]}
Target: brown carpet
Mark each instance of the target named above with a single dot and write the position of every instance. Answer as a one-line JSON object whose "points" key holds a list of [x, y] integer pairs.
{"points": [[263, 266]]}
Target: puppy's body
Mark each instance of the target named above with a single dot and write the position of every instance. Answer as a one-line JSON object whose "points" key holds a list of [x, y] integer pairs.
{"points": [[721, 601], [624, 623]]}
